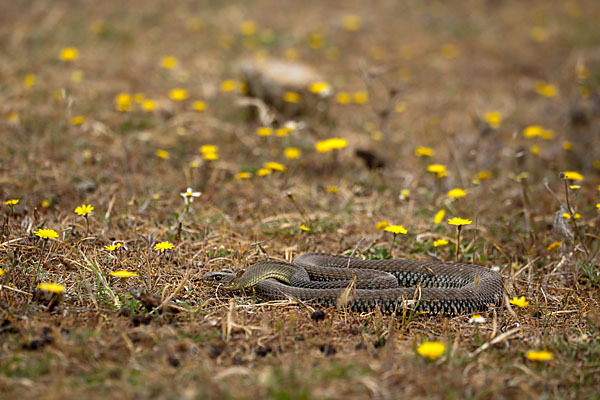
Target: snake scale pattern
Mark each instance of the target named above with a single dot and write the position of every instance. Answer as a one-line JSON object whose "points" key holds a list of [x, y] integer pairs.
{"points": [[391, 285]]}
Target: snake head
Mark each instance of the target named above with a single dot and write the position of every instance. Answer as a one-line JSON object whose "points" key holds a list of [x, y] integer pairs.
{"points": [[223, 279]]}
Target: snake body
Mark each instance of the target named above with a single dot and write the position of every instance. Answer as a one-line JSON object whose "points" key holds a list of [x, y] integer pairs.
{"points": [[361, 285]]}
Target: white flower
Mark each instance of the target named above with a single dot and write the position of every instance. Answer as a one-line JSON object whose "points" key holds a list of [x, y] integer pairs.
{"points": [[189, 195], [476, 319]]}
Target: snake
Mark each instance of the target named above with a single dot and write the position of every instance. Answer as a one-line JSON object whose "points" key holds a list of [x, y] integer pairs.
{"points": [[392, 285]]}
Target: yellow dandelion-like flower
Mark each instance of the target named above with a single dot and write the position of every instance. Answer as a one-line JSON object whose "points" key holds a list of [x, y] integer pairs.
{"points": [[78, 120], [324, 146], [545, 89], [476, 319], [575, 187], [440, 243], [123, 274], [228, 85], [538, 34], [275, 166], [263, 172], [169, 62], [520, 302], [178, 94], [572, 175], [123, 102], [199, 105], [210, 156], [360, 97], [304, 228], [164, 154], [381, 225], [459, 221], [209, 148], [11, 202], [343, 98], [282, 132], [292, 153], [149, 105], [351, 22], [291, 97], [396, 229], [69, 54], [483, 175], [1, 272], [163, 246], [77, 76], [431, 350], [316, 40], [449, 51], [439, 216], [400, 107], [29, 80], [423, 151], [242, 175], [533, 131], [46, 233], [553, 246], [84, 210], [493, 118], [541, 355], [264, 131], [51, 287], [438, 169], [321, 88], [291, 54], [457, 193], [248, 28], [112, 247], [332, 189], [534, 149]]}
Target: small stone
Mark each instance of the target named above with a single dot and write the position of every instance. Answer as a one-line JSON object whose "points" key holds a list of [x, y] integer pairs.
{"points": [[318, 315]]}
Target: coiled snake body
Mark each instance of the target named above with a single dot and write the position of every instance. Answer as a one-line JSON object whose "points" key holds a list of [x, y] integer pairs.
{"points": [[361, 285]]}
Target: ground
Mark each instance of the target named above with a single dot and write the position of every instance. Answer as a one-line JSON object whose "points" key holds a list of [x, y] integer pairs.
{"points": [[109, 103]]}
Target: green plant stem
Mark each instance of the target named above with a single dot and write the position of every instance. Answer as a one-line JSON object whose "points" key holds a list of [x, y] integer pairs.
{"points": [[458, 229]]}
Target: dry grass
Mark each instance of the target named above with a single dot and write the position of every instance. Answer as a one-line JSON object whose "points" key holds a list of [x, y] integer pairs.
{"points": [[102, 337]]}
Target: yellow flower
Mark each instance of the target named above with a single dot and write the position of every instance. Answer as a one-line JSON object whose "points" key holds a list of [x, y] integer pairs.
{"points": [[395, 229], [263, 172], [248, 28], [169, 62], [324, 146], [264, 131], [162, 154], [567, 145], [553, 245], [51, 287], [519, 302], [438, 169], [542, 355], [533, 131], [69, 54], [431, 350], [404, 194], [400, 107], [545, 89], [334, 189], [123, 102], [440, 243], [361, 97], [228, 85], [572, 175], [178, 94], [242, 175], [483, 175], [292, 153], [343, 98], [534, 149], [381, 225], [46, 233], [423, 151], [539, 34], [78, 120], [493, 118], [449, 51], [11, 202], [291, 97], [29, 80], [112, 247], [477, 319], [77, 76], [163, 246], [316, 40], [547, 134], [274, 166], [457, 193], [575, 187], [304, 228], [84, 210], [1, 272], [123, 274], [148, 105], [351, 22], [199, 105], [459, 221], [321, 88], [209, 148], [439, 216], [282, 132]]}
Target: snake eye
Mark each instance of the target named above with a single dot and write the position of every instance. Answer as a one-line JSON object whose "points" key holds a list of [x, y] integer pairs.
{"points": [[218, 278]]}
